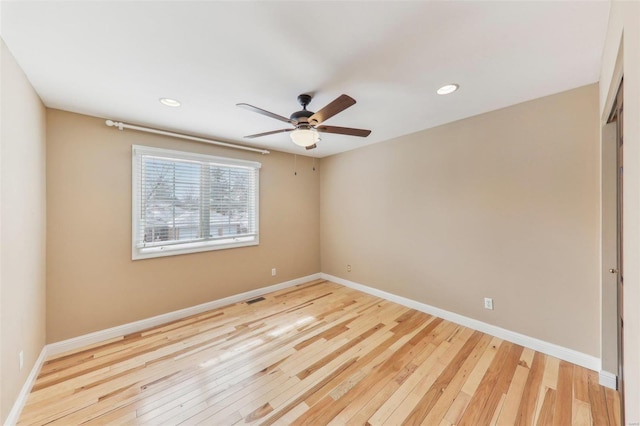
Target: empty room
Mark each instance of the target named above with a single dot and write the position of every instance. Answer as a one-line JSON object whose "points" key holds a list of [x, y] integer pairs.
{"points": [[320, 212]]}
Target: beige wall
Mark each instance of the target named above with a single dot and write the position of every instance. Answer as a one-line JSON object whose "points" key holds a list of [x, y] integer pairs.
{"points": [[22, 228], [93, 284], [502, 205], [624, 29]]}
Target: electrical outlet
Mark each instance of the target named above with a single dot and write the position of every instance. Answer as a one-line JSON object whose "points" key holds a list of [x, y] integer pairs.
{"points": [[21, 359], [488, 303], [273, 272], [348, 268]]}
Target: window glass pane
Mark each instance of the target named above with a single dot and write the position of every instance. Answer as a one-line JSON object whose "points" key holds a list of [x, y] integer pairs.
{"points": [[171, 200], [186, 202], [231, 190]]}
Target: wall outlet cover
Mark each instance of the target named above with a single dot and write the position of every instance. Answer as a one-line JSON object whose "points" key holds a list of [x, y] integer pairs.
{"points": [[488, 303]]}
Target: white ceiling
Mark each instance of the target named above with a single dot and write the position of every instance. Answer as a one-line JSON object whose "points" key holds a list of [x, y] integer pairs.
{"points": [[116, 59]]}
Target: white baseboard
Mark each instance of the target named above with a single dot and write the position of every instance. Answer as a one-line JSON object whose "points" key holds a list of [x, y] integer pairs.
{"points": [[608, 379], [566, 354], [21, 400], [132, 327]]}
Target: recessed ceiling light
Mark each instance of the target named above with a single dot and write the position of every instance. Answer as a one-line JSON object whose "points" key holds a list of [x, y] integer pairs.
{"points": [[447, 88], [169, 102]]}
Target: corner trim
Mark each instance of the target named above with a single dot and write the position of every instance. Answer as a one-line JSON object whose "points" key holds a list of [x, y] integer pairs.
{"points": [[608, 379], [132, 327], [21, 400], [566, 354]]}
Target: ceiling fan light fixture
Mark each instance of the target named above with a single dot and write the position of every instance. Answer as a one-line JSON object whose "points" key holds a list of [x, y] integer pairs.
{"points": [[447, 89], [305, 137]]}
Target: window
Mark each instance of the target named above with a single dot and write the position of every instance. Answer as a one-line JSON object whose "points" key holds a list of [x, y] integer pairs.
{"points": [[186, 203]]}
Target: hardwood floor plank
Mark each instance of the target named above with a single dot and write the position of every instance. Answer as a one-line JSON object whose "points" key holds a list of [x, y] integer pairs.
{"points": [[612, 409], [216, 369], [372, 398], [457, 408], [513, 397], [188, 406], [306, 372], [432, 395], [547, 409], [502, 385], [498, 410], [358, 414], [146, 359], [485, 398], [431, 368], [564, 395], [291, 415], [528, 402], [582, 413], [616, 407], [367, 362], [377, 379], [300, 399], [240, 358], [205, 388], [598, 402], [451, 391], [424, 363], [472, 383], [355, 351], [550, 376], [581, 383], [317, 353], [255, 354]]}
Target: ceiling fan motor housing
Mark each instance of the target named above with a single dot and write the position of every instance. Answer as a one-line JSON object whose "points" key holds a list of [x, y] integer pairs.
{"points": [[302, 117]]}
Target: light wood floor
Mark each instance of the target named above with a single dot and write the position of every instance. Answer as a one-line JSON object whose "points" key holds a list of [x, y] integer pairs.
{"points": [[315, 354]]}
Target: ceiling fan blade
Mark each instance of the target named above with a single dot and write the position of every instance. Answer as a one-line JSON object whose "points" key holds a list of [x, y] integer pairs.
{"points": [[339, 104], [344, 131], [265, 112], [273, 132], [311, 147]]}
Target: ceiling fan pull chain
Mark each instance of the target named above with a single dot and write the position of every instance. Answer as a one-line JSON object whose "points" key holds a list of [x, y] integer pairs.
{"points": [[295, 166], [314, 164]]}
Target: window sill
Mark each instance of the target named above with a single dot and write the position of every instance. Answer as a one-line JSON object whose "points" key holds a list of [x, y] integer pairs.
{"points": [[177, 249]]}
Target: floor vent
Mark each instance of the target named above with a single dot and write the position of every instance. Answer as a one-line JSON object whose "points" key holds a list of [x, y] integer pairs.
{"points": [[257, 299]]}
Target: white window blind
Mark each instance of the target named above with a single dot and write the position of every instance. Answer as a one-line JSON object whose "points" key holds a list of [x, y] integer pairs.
{"points": [[185, 203]]}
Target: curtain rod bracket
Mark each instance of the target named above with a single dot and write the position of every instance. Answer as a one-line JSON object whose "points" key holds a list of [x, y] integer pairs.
{"points": [[117, 124]]}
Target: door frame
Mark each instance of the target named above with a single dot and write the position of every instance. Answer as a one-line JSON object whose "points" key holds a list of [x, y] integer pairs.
{"points": [[608, 104]]}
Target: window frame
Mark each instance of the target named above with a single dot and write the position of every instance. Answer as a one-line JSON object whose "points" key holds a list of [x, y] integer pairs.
{"points": [[174, 249]]}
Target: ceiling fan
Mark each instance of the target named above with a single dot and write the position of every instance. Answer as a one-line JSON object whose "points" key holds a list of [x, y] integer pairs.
{"points": [[307, 124]]}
